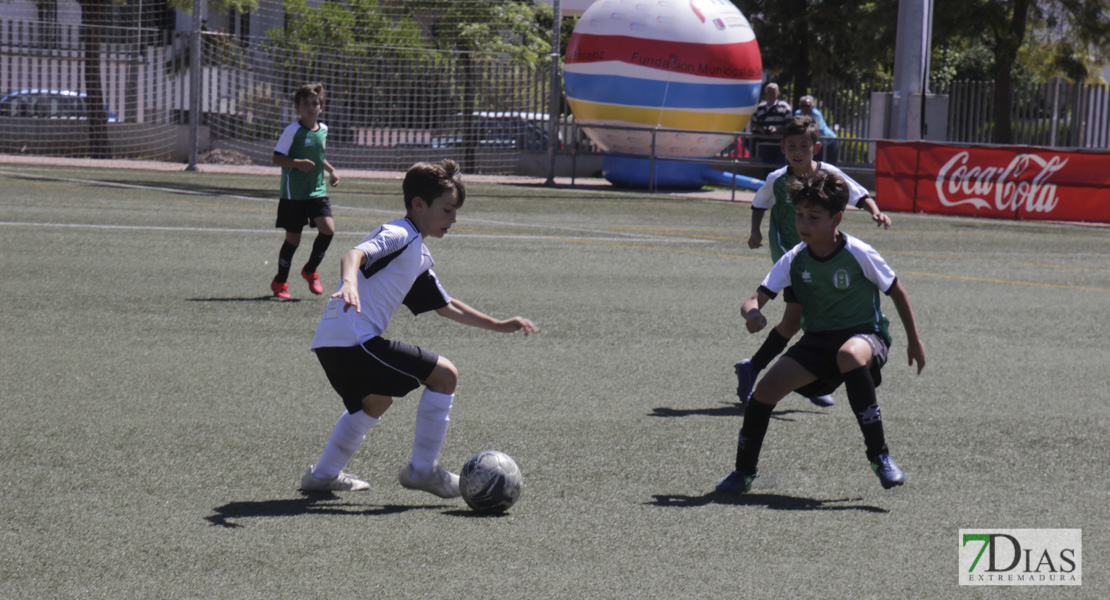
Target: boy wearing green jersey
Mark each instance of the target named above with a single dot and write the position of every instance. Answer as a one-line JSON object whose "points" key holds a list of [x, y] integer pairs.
{"points": [[801, 145], [304, 194], [833, 282]]}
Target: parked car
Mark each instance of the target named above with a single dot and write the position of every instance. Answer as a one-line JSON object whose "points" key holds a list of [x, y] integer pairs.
{"points": [[508, 130], [48, 104], [52, 122]]}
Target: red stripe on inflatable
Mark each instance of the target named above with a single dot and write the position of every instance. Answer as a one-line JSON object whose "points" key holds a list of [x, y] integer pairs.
{"points": [[726, 61]]}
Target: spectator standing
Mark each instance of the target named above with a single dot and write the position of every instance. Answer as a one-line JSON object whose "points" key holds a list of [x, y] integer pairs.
{"points": [[769, 118], [830, 146]]}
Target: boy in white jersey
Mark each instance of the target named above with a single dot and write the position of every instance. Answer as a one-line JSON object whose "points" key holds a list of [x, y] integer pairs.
{"points": [[801, 144], [391, 267], [835, 281], [303, 198]]}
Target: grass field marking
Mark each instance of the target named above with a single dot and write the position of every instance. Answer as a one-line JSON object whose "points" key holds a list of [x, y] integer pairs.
{"points": [[136, 186], [460, 233], [1059, 286], [1015, 263], [492, 234], [673, 233], [135, 227], [589, 241], [628, 233], [634, 236], [597, 242], [1082, 227]]}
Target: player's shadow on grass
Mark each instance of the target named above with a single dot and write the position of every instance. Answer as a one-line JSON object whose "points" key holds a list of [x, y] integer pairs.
{"points": [[315, 503], [771, 501], [254, 299], [727, 409]]}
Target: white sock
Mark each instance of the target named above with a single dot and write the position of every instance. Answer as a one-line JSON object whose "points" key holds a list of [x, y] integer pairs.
{"points": [[345, 439], [431, 429]]}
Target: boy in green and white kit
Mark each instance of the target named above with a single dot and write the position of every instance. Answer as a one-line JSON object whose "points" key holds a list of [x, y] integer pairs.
{"points": [[304, 194], [834, 280], [800, 144]]}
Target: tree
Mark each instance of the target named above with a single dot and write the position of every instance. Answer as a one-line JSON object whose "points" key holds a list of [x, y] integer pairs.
{"points": [[481, 30], [1063, 33], [1003, 40], [846, 40]]}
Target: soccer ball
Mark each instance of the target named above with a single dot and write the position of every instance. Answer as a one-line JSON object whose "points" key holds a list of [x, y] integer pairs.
{"points": [[490, 482]]}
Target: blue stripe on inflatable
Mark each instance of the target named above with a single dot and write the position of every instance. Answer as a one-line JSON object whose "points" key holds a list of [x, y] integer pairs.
{"points": [[632, 91]]}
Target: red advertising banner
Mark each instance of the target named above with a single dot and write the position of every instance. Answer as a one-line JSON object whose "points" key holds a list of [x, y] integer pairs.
{"points": [[1002, 182]]}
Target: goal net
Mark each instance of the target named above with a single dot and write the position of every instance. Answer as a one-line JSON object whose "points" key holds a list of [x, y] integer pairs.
{"points": [[404, 80]]}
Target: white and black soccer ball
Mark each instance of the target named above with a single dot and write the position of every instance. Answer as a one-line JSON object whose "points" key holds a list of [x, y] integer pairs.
{"points": [[490, 481]]}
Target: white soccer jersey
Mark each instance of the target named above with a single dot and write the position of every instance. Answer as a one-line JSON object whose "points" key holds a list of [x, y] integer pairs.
{"points": [[398, 270]]}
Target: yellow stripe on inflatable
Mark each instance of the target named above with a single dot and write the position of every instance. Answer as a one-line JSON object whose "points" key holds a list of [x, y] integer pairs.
{"points": [[652, 117]]}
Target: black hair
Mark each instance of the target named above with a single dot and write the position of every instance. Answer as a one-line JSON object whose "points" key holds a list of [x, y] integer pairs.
{"points": [[430, 180], [821, 189]]}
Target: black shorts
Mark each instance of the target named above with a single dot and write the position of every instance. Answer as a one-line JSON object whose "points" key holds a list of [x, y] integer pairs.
{"points": [[816, 353], [293, 215], [379, 366]]}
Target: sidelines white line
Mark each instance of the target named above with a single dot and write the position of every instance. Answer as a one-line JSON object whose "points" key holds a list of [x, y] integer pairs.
{"points": [[359, 234], [625, 236]]}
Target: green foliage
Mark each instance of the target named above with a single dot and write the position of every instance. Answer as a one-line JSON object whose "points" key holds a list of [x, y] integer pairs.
{"points": [[493, 29], [854, 42], [972, 38], [846, 40], [216, 6], [485, 30], [352, 27], [962, 62]]}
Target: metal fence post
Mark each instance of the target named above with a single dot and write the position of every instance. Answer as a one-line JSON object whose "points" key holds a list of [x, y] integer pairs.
{"points": [[194, 86]]}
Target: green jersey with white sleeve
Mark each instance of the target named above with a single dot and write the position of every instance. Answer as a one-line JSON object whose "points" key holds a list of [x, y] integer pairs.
{"points": [[782, 234], [839, 292], [297, 141]]}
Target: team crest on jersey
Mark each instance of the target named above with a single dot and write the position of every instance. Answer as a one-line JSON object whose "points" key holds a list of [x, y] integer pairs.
{"points": [[841, 279]]}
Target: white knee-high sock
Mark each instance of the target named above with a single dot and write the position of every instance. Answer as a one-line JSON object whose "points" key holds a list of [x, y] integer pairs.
{"points": [[345, 439], [431, 429]]}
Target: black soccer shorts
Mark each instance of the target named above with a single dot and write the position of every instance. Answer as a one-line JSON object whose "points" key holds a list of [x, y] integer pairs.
{"points": [[293, 215], [379, 366], [816, 353]]}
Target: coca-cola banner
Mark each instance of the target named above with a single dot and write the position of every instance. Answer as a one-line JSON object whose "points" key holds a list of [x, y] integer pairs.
{"points": [[1008, 182]]}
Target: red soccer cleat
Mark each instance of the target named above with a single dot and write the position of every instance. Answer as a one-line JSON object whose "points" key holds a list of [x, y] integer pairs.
{"points": [[281, 290], [313, 280]]}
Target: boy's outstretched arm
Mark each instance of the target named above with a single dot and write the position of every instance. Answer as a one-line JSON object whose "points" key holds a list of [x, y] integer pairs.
{"points": [[914, 348], [753, 318], [459, 311], [880, 219], [349, 265]]}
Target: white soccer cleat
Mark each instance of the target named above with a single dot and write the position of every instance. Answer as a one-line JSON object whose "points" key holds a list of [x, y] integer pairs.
{"points": [[343, 483], [439, 481]]}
